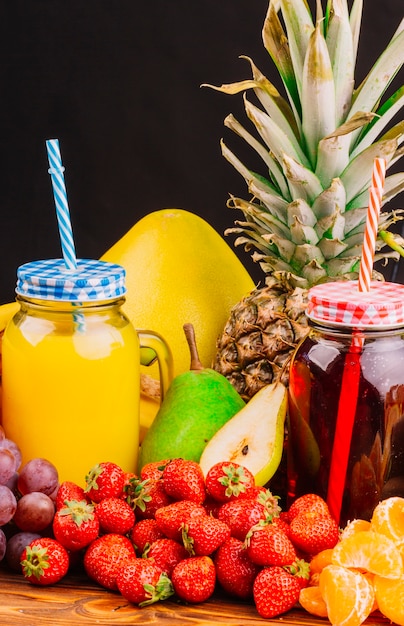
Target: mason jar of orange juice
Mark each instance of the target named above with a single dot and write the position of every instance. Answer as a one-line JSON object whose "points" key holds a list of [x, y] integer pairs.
{"points": [[71, 368]]}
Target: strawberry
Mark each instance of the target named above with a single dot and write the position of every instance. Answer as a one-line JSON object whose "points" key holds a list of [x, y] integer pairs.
{"points": [[115, 516], [267, 544], [194, 579], [184, 480], [44, 561], [154, 469], [105, 556], [67, 491], [313, 532], [170, 518], [104, 480], [241, 515], [76, 525], [203, 535], [146, 496], [142, 582], [226, 481], [234, 570], [308, 502], [144, 533], [275, 591], [166, 553]]}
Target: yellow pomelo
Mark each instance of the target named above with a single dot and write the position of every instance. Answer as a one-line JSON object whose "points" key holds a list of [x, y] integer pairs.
{"points": [[179, 270]]}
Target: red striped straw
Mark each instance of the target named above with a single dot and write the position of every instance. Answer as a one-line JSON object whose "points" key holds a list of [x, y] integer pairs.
{"points": [[351, 374], [372, 221]]}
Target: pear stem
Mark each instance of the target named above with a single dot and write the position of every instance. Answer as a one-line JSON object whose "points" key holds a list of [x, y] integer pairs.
{"points": [[190, 337]]}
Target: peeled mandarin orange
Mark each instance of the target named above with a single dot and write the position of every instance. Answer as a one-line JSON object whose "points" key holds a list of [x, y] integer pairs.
{"points": [[355, 526], [388, 519], [390, 598], [348, 595], [369, 551], [312, 601]]}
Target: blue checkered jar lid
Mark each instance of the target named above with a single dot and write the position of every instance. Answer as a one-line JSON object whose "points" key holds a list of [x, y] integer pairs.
{"points": [[50, 279]]}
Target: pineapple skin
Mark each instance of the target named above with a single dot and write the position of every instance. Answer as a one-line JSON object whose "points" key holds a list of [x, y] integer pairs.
{"points": [[261, 334]]}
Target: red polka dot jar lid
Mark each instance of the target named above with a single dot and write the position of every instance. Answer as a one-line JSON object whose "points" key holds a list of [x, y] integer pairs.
{"points": [[342, 304]]}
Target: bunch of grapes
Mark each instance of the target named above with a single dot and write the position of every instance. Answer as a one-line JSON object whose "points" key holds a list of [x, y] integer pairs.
{"points": [[26, 499]]}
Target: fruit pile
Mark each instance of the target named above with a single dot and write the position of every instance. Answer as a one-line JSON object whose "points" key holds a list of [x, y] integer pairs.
{"points": [[171, 531]]}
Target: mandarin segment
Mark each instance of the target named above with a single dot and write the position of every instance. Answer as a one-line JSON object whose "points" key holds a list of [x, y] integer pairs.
{"points": [[348, 595], [369, 551], [312, 601], [388, 519], [390, 598], [354, 526]]}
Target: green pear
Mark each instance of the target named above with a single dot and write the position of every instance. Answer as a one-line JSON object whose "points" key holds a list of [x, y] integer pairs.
{"points": [[254, 436], [197, 403]]}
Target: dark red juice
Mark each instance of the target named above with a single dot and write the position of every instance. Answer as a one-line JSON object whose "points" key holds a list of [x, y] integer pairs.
{"points": [[373, 392]]}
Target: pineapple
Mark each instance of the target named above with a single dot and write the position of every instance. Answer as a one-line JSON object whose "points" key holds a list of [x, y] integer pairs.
{"points": [[305, 219]]}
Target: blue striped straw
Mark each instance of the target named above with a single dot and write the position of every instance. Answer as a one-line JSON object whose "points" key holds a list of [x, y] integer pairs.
{"points": [[62, 208]]}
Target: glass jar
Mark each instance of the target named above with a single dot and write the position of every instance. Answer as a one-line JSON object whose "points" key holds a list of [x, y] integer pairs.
{"points": [[71, 368], [346, 399]]}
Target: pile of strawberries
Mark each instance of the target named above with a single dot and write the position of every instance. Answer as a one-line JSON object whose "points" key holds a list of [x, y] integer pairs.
{"points": [[172, 531]]}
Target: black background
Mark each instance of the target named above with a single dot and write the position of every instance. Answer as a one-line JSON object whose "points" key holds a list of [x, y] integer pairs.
{"points": [[118, 83]]}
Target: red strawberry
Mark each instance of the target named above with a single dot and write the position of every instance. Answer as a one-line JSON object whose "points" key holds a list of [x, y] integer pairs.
{"points": [[115, 516], [268, 545], [166, 553], [312, 532], [170, 518], [308, 502], [184, 480], [226, 481], [69, 491], [234, 570], [127, 477], [241, 515], [140, 581], [76, 525], [153, 470], [275, 591], [146, 496], [203, 535], [45, 561], [105, 556], [144, 533], [194, 579], [104, 480]]}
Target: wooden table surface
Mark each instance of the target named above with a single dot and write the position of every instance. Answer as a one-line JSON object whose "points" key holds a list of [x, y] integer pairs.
{"points": [[77, 601]]}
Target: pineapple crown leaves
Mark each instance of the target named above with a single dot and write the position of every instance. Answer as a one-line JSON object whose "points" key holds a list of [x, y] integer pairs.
{"points": [[35, 562], [318, 143], [79, 511], [161, 591]]}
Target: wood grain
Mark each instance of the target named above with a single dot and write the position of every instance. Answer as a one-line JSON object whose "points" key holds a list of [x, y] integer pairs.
{"points": [[76, 601]]}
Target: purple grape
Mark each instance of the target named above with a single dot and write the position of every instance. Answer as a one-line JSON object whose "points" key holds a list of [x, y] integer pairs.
{"points": [[15, 546], [11, 446], [8, 505], [38, 475], [35, 512], [7, 465], [3, 545]]}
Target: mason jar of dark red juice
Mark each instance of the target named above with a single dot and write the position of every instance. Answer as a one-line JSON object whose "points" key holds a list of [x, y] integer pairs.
{"points": [[346, 399]]}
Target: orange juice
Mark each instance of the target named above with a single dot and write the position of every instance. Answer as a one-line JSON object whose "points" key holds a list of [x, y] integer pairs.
{"points": [[71, 386]]}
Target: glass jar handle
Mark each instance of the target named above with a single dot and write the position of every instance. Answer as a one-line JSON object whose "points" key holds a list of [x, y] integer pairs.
{"points": [[153, 347]]}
